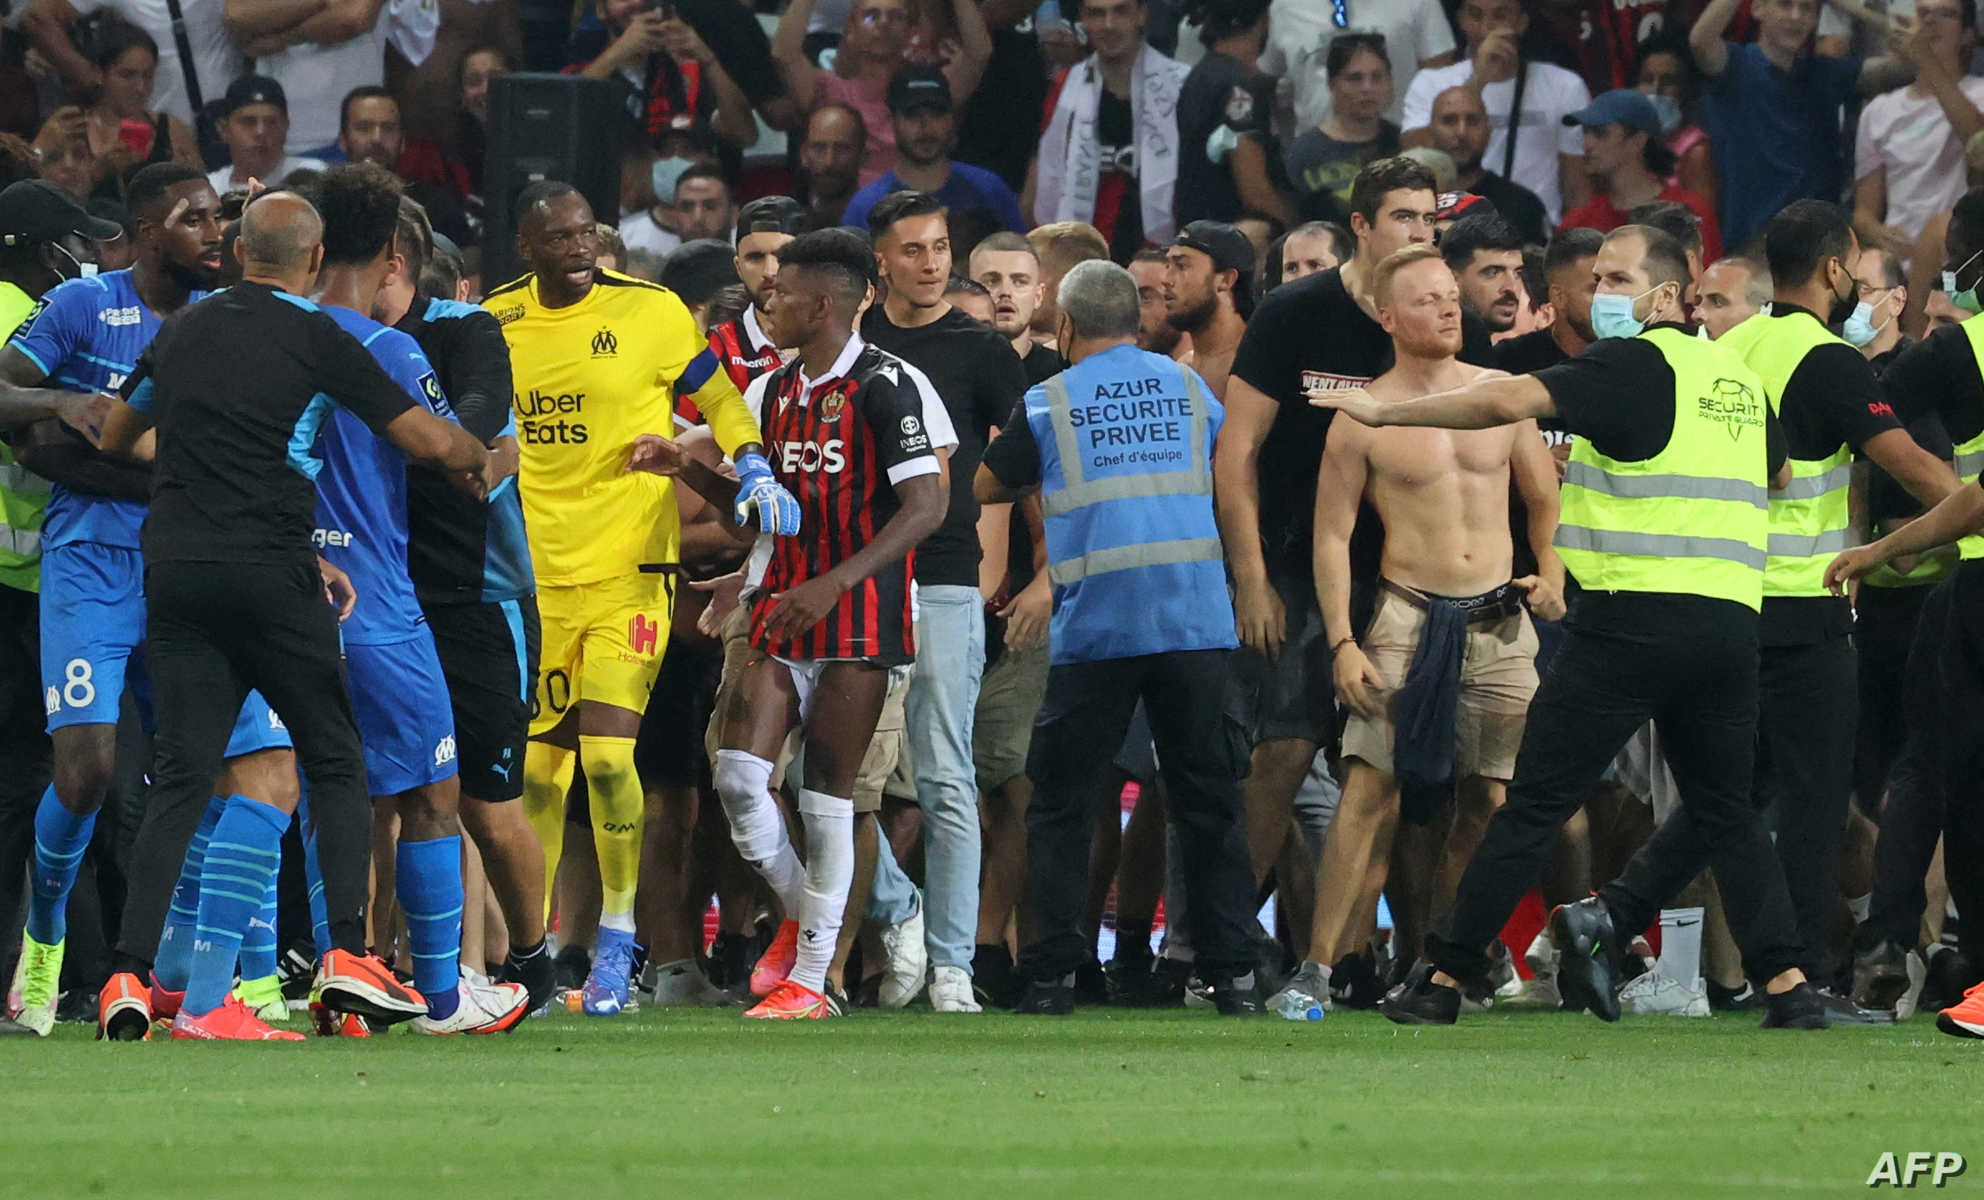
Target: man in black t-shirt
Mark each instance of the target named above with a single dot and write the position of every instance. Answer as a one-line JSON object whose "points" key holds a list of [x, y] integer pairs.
{"points": [[1318, 332], [979, 379], [1567, 269], [1227, 157], [234, 596]]}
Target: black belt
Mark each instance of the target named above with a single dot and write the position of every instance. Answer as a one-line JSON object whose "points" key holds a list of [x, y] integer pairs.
{"points": [[1499, 604]]}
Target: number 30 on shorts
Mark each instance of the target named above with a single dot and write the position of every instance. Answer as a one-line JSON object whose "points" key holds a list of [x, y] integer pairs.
{"points": [[77, 689], [554, 689]]}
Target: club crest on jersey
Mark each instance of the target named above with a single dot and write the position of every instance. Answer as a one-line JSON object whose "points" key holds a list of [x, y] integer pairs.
{"points": [[604, 344], [831, 406]]}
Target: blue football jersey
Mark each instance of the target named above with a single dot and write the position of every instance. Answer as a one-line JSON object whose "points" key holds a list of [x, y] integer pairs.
{"points": [[361, 491], [86, 335]]}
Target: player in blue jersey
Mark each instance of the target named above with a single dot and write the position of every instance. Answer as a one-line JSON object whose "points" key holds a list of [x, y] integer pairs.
{"points": [[471, 571], [85, 336], [397, 688]]}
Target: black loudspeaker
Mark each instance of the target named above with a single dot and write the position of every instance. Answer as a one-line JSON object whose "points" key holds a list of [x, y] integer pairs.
{"points": [[541, 126]]}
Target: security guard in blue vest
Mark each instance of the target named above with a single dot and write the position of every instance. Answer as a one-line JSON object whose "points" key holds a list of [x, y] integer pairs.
{"points": [[1120, 448], [1665, 526]]}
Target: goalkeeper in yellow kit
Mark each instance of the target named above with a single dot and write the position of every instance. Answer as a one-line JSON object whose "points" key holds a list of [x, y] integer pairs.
{"points": [[596, 359]]}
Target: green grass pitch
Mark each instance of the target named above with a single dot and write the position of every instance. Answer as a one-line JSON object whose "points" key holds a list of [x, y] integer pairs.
{"points": [[1102, 1104]]}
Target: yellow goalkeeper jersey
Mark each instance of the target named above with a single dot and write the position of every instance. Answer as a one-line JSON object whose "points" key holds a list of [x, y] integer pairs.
{"points": [[589, 378]]}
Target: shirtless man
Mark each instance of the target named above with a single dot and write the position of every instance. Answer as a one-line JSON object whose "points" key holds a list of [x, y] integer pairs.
{"points": [[1208, 294], [1448, 556]]}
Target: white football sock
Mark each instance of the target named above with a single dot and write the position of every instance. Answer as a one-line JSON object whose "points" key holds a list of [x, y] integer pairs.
{"points": [[1681, 946], [829, 875]]}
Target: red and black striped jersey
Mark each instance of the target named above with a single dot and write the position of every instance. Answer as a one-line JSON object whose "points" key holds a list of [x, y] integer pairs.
{"points": [[744, 352], [840, 444]]}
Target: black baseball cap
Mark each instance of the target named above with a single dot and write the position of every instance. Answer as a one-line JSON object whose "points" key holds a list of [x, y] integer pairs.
{"points": [[1228, 248], [253, 89], [771, 214], [34, 211], [917, 87]]}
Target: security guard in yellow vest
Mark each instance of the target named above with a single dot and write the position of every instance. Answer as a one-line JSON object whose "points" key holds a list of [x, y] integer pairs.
{"points": [[1665, 528], [1830, 407], [1936, 789]]}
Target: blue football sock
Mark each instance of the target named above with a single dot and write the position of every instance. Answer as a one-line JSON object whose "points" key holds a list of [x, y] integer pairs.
{"points": [[242, 858], [313, 875], [60, 837], [258, 944], [173, 964], [430, 887]]}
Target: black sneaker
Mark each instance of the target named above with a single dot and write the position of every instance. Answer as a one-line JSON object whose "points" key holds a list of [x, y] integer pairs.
{"points": [[538, 975], [1355, 984], [1234, 997], [1131, 980], [1046, 999], [1588, 967], [992, 979], [1420, 1001], [78, 1006], [1743, 999], [570, 968], [1880, 976], [1951, 974], [1090, 985], [1799, 1008], [1842, 1011]]}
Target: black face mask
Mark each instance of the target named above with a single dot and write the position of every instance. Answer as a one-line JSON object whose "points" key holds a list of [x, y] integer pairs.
{"points": [[1843, 306]]}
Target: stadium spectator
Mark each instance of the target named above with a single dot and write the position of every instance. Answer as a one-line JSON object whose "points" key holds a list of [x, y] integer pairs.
{"points": [[62, 146], [923, 119], [1155, 332], [179, 88], [1228, 161], [1883, 291], [1301, 33], [874, 47], [1772, 109], [319, 53], [1535, 147], [1308, 249], [127, 59], [370, 130], [1600, 39], [1485, 254], [1568, 285], [1631, 166], [830, 158], [699, 207], [1670, 79], [1323, 162], [1460, 127], [1209, 293], [1060, 245], [1908, 153], [1097, 163], [677, 87], [254, 123], [1733, 290]]}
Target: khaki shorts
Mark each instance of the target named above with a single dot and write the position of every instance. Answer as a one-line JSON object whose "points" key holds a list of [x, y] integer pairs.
{"points": [[1497, 679], [1009, 698], [884, 750]]}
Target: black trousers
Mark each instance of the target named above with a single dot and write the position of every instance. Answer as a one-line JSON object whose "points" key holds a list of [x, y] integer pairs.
{"points": [[1883, 632], [24, 752], [1698, 680], [216, 630], [1934, 790], [1202, 755], [1807, 707]]}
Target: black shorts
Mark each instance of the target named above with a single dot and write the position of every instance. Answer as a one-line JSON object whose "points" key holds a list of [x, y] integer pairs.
{"points": [[669, 752], [1289, 696], [489, 658]]}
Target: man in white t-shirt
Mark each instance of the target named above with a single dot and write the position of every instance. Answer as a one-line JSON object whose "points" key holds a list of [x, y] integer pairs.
{"points": [[319, 57], [254, 119], [1908, 155], [1549, 155], [1417, 36], [216, 59]]}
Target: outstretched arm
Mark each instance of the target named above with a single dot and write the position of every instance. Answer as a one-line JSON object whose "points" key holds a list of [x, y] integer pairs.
{"points": [[1483, 404]]}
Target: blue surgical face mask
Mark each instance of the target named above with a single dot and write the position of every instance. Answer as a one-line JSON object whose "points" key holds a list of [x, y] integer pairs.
{"points": [[1669, 111], [1612, 315], [1967, 299], [1860, 328], [84, 270], [665, 174]]}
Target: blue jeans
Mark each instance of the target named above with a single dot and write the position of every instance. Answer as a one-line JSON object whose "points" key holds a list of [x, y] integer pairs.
{"points": [[950, 658]]}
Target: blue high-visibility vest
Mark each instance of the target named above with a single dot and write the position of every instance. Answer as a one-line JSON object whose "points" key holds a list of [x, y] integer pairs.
{"points": [[1133, 548]]}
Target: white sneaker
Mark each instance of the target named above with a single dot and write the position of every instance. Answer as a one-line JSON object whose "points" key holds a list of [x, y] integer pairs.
{"points": [[1542, 956], [1918, 974], [681, 984], [1653, 994], [483, 1007], [950, 991], [908, 959]]}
